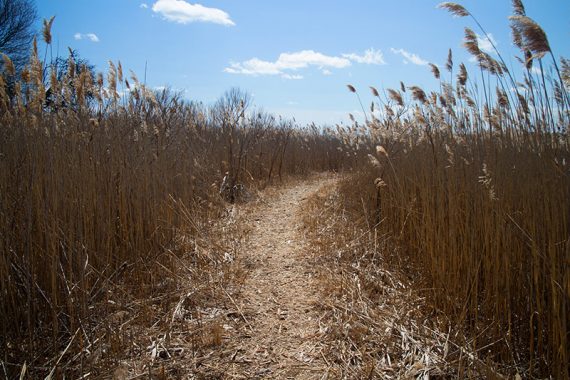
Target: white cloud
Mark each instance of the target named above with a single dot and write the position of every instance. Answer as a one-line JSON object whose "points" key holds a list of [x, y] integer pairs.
{"points": [[485, 43], [92, 36], [305, 58], [410, 57], [144, 5], [183, 12], [370, 57], [292, 76], [87, 36], [287, 62], [254, 66]]}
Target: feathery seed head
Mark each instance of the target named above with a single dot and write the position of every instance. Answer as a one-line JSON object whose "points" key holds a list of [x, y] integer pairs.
{"points": [[565, 72], [112, 78], [532, 35], [35, 48], [26, 75], [418, 94], [518, 8], [449, 63], [435, 70], [381, 151], [46, 30], [71, 67], [419, 116], [9, 67], [396, 96], [517, 37], [523, 103], [502, 98], [120, 72], [470, 43], [462, 76], [455, 9]]}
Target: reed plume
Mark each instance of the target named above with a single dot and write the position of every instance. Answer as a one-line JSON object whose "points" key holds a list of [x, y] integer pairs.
{"points": [[434, 70], [46, 30], [449, 62], [531, 34], [396, 96], [455, 9]]}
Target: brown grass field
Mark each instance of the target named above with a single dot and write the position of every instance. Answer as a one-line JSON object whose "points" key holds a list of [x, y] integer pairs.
{"points": [[441, 249]]}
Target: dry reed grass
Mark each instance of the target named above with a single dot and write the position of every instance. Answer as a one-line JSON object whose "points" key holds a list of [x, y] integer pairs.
{"points": [[110, 194], [375, 326], [474, 193]]}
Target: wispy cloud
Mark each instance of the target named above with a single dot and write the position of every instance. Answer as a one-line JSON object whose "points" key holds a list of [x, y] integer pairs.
{"points": [[144, 5], [293, 62], [485, 43], [287, 62], [183, 12], [87, 36], [292, 76], [410, 57], [370, 57]]}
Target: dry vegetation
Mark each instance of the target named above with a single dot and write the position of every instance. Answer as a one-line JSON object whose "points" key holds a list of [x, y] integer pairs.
{"points": [[376, 325], [472, 191], [106, 196], [454, 217]]}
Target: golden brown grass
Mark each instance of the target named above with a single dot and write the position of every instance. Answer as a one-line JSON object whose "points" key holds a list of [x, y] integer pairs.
{"points": [[376, 325], [474, 193], [109, 200]]}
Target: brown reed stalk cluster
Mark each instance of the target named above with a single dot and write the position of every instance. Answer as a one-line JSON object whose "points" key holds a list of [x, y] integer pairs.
{"points": [[105, 184], [472, 184]]}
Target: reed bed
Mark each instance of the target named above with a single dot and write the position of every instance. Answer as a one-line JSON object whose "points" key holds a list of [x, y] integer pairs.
{"points": [[106, 185], [376, 325], [472, 184]]}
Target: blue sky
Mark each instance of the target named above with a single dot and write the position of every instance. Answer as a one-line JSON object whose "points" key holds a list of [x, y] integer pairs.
{"points": [[295, 57]]}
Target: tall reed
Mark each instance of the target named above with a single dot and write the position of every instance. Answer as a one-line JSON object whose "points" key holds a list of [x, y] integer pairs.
{"points": [[474, 184]]}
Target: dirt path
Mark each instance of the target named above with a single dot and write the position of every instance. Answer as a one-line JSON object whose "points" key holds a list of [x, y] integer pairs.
{"points": [[279, 296], [272, 318]]}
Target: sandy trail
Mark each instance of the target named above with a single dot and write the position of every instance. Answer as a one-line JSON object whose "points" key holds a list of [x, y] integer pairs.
{"points": [[279, 297]]}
